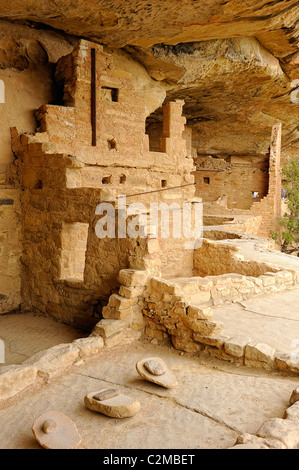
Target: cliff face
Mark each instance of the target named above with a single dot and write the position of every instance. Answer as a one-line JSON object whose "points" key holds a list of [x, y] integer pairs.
{"points": [[143, 23], [232, 62]]}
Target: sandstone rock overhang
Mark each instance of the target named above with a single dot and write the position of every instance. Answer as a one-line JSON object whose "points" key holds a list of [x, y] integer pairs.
{"points": [[232, 63]]}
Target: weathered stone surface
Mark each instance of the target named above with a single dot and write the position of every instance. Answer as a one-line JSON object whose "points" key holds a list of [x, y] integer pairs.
{"points": [[167, 380], [217, 340], [15, 378], [90, 345], [164, 286], [132, 277], [121, 303], [118, 406], [61, 434], [108, 327], [125, 336], [195, 312], [105, 394], [130, 292], [206, 328], [259, 354], [236, 345], [170, 23], [49, 426], [154, 367], [295, 396], [249, 445], [53, 361], [285, 430], [187, 345], [292, 412], [270, 443]]}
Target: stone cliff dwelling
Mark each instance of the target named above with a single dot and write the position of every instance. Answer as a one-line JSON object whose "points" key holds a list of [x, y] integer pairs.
{"points": [[99, 120]]}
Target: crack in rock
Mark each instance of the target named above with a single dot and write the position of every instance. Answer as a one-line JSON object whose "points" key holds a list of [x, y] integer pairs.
{"points": [[173, 399]]}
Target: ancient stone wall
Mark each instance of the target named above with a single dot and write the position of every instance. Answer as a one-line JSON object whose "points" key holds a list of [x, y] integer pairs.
{"points": [[10, 251], [182, 308], [216, 258], [268, 208], [71, 165], [234, 180], [26, 69]]}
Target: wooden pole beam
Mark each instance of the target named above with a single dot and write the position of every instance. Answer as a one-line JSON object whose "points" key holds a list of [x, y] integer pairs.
{"points": [[93, 98]]}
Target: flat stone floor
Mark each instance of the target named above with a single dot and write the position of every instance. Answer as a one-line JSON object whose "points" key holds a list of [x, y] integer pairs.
{"points": [[212, 405], [25, 334], [271, 319]]}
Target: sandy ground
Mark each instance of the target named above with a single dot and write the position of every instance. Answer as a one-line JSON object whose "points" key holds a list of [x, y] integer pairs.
{"points": [[212, 405]]}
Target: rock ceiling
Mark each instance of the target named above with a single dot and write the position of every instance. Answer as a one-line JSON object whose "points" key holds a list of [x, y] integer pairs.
{"points": [[231, 61]]}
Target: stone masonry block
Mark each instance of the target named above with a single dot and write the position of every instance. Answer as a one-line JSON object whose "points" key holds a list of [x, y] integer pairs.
{"points": [[15, 378], [205, 328], [89, 346], [292, 412], [285, 430], [132, 277], [259, 354], [236, 345], [53, 361], [195, 312], [160, 285], [130, 292], [121, 303], [108, 327]]}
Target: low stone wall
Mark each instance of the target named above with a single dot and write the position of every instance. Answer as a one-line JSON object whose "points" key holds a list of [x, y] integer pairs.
{"points": [[182, 309], [214, 258], [275, 433], [50, 363]]}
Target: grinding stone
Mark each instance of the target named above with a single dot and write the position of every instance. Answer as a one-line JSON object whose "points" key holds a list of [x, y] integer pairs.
{"points": [[167, 380], [64, 436], [154, 367], [119, 406]]}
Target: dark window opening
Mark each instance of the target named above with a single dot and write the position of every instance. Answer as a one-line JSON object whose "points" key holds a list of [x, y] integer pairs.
{"points": [[122, 179], [154, 130], [38, 185], [163, 183], [206, 180], [106, 180], [111, 144], [109, 94]]}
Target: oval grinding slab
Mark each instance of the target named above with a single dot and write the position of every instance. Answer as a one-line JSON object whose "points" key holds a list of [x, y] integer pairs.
{"points": [[167, 379], [54, 430], [111, 402]]}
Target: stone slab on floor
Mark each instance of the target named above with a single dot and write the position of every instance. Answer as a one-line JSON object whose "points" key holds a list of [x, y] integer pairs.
{"points": [[214, 402], [272, 319]]}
